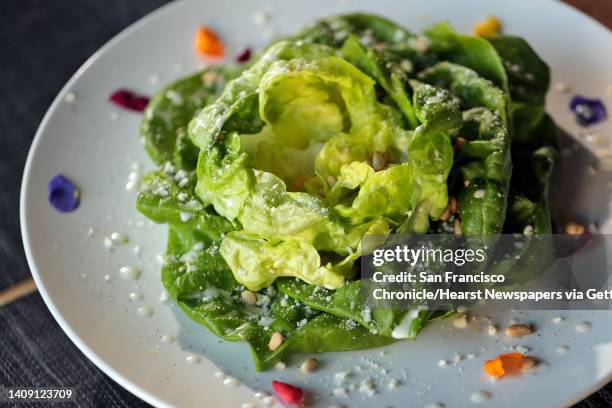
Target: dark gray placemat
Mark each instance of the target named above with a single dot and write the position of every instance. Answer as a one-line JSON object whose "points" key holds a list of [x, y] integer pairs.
{"points": [[42, 43], [34, 352]]}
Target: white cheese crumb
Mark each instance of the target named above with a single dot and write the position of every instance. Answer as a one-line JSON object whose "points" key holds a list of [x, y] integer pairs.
{"points": [[367, 315], [260, 18], [562, 87], [522, 349], [70, 97], [119, 238], [367, 387], [184, 181], [393, 384], [342, 375], [108, 244]]}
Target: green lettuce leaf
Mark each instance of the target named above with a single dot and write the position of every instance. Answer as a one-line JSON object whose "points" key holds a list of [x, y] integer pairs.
{"points": [[470, 51], [528, 82], [199, 281], [169, 112], [485, 165]]}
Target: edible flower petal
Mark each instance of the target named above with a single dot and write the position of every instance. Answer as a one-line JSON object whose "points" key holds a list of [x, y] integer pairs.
{"points": [[488, 27], [588, 111], [510, 363], [208, 43], [288, 394], [64, 195], [129, 100], [244, 56]]}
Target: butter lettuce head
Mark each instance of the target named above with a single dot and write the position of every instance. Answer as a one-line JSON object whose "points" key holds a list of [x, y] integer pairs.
{"points": [[271, 173], [300, 152]]}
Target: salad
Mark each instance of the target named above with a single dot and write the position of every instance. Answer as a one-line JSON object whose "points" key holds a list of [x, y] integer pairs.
{"points": [[272, 172]]}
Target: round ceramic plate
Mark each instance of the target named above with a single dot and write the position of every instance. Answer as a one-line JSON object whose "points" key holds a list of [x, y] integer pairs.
{"points": [[96, 144]]}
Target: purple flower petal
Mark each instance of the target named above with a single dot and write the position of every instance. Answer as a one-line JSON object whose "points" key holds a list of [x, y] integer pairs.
{"points": [[244, 56], [64, 195], [129, 100], [588, 111]]}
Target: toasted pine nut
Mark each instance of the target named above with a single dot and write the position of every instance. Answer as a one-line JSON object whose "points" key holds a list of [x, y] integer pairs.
{"points": [[210, 78], [457, 227], [299, 182], [459, 142], [445, 214], [461, 322], [452, 205], [331, 180], [309, 365], [248, 297], [574, 228], [528, 363], [518, 330], [378, 161], [275, 341], [421, 43]]}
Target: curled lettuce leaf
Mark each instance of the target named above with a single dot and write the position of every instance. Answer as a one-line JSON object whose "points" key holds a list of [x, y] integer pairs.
{"points": [[420, 182], [257, 263], [484, 165], [314, 98], [473, 90], [171, 110], [528, 82], [386, 68], [472, 52]]}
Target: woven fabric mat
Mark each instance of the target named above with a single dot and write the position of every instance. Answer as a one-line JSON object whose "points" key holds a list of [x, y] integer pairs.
{"points": [[35, 352], [42, 43]]}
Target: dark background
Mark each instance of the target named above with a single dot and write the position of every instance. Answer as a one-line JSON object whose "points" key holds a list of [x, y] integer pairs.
{"points": [[42, 44]]}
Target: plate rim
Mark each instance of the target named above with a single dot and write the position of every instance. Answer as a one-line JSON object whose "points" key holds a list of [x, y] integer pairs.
{"points": [[91, 355]]}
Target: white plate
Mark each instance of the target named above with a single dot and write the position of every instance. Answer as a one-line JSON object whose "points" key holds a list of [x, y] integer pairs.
{"points": [[83, 141]]}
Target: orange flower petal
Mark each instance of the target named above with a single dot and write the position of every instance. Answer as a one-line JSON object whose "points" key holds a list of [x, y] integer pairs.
{"points": [[509, 363], [208, 43], [495, 368]]}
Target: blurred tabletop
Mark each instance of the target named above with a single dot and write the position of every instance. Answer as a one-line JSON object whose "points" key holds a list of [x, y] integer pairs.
{"points": [[42, 43]]}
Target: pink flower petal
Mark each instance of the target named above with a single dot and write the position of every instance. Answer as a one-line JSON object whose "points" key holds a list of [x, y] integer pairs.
{"points": [[129, 100]]}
